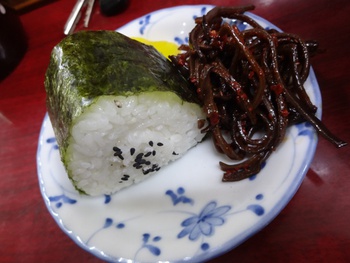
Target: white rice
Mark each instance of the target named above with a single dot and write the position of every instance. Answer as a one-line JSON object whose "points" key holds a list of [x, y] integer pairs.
{"points": [[118, 141]]}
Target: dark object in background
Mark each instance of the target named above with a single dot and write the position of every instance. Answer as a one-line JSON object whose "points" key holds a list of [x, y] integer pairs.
{"points": [[113, 7], [13, 42], [24, 6]]}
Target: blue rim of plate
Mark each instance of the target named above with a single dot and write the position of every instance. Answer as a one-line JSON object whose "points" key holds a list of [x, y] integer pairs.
{"points": [[237, 240]]}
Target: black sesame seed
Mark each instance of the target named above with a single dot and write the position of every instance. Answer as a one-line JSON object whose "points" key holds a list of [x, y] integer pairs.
{"points": [[117, 150], [138, 157], [174, 153], [155, 167], [160, 144], [148, 154], [154, 153], [119, 155], [141, 161], [148, 163], [147, 171], [125, 177], [132, 151], [150, 143]]}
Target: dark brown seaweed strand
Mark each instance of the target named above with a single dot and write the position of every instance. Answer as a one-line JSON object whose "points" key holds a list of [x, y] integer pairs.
{"points": [[314, 121], [276, 84], [194, 70], [246, 143], [245, 169], [290, 51], [224, 147], [291, 38], [241, 98], [205, 93], [239, 42], [234, 13], [251, 86], [278, 89], [307, 113], [220, 12], [313, 47], [248, 20], [196, 33]]}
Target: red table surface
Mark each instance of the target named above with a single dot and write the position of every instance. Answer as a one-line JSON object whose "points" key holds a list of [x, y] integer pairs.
{"points": [[313, 227]]}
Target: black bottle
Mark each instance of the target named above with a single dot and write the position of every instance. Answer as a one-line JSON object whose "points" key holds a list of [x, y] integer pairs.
{"points": [[13, 42]]}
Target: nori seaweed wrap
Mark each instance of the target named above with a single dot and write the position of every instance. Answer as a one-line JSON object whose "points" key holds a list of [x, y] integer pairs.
{"points": [[119, 109]]}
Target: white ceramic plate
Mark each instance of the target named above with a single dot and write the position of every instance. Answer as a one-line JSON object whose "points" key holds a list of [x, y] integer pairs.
{"points": [[184, 213]]}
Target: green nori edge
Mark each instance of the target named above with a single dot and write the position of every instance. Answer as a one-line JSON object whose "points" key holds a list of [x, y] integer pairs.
{"points": [[88, 64]]}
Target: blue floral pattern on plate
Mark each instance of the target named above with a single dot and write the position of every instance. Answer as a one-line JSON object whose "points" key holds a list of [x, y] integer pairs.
{"points": [[184, 213]]}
